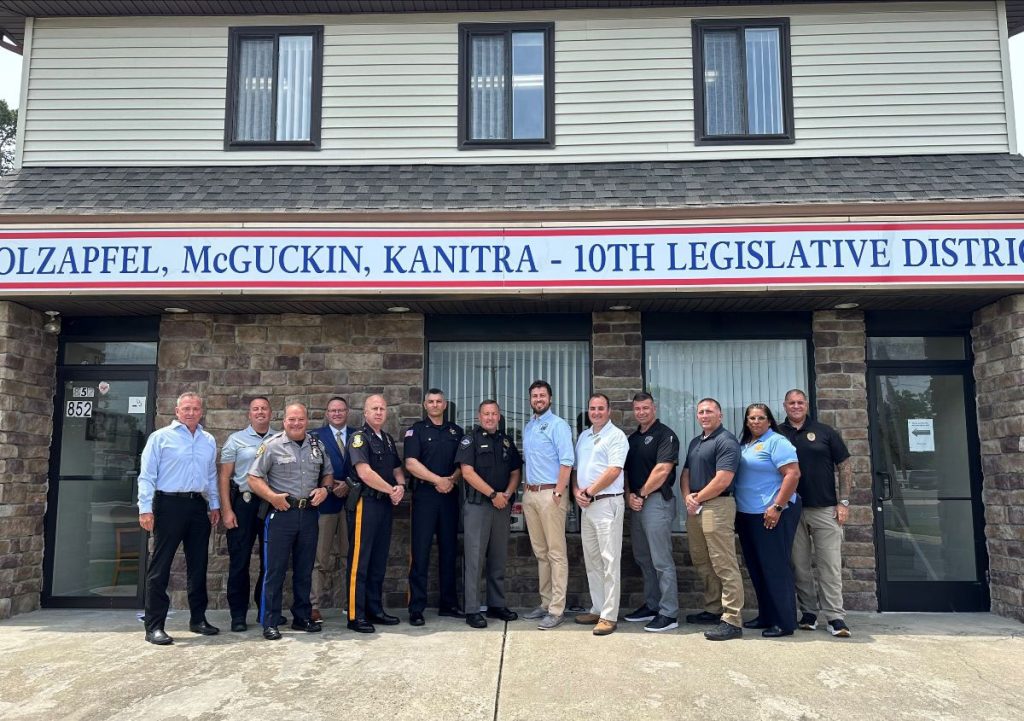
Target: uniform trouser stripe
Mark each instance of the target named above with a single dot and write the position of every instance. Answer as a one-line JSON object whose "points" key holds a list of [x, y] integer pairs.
{"points": [[412, 543], [266, 563], [353, 566]]}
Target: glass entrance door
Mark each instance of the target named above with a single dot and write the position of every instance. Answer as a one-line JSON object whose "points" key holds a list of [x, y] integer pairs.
{"points": [[95, 547], [928, 523]]}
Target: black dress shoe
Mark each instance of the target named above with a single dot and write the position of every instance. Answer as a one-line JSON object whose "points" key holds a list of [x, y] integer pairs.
{"points": [[361, 625], [416, 619], [703, 617], [476, 620], [384, 619], [309, 626], [271, 633], [238, 625], [159, 637], [775, 632], [203, 628], [756, 623], [502, 614], [450, 613]]}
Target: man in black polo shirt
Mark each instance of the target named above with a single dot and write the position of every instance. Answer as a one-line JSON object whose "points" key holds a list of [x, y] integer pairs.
{"points": [[430, 447], [650, 472], [819, 536], [711, 463]]}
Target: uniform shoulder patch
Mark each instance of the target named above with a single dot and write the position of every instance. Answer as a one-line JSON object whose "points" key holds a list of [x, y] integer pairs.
{"points": [[357, 440], [465, 442], [409, 433]]}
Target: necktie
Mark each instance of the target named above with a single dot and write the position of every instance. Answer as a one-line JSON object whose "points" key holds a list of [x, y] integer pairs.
{"points": [[341, 442]]}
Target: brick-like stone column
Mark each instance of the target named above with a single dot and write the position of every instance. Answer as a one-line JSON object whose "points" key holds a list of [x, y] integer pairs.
{"points": [[998, 337], [842, 402], [303, 358], [618, 361], [27, 377]]}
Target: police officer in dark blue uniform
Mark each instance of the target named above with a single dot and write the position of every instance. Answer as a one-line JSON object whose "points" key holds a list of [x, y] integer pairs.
{"points": [[293, 474], [430, 447], [379, 486]]}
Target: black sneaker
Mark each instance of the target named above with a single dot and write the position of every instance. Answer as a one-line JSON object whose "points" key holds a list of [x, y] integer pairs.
{"points": [[723, 632], [661, 623], [838, 627], [808, 622], [644, 613], [704, 617]]}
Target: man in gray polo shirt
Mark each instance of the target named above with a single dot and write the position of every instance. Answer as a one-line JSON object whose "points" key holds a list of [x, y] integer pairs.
{"points": [[711, 463]]}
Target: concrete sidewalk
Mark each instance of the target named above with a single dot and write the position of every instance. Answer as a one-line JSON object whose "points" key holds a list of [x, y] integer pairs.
{"points": [[95, 665]]}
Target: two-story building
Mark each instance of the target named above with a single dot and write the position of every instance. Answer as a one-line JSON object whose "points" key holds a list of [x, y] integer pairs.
{"points": [[698, 198]]}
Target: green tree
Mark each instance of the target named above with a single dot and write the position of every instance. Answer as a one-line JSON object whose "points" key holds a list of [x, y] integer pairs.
{"points": [[8, 130]]}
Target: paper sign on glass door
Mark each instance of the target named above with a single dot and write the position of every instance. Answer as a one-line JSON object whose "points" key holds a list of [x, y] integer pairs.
{"points": [[136, 404], [922, 435]]}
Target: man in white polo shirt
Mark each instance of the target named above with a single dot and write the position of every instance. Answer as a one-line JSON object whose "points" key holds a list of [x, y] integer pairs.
{"points": [[599, 486]]}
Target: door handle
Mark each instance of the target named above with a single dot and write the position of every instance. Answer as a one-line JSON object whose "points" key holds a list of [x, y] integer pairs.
{"points": [[886, 479]]}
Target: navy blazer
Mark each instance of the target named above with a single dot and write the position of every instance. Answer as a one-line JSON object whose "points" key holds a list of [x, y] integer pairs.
{"points": [[333, 504]]}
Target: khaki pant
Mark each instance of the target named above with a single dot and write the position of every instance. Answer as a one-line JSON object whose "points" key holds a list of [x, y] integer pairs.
{"points": [[545, 521], [819, 538], [711, 535], [332, 539]]}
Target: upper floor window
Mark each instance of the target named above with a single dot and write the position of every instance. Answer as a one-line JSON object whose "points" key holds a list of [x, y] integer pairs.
{"points": [[743, 89], [275, 81], [506, 85]]}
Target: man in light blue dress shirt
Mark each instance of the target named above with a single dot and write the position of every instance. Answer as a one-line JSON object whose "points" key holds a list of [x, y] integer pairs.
{"points": [[549, 457], [178, 504]]}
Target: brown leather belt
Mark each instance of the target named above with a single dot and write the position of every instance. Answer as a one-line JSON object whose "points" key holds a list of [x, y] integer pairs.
{"points": [[541, 487]]}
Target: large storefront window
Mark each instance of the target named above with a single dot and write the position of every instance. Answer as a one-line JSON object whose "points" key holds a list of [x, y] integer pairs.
{"points": [[734, 372]]}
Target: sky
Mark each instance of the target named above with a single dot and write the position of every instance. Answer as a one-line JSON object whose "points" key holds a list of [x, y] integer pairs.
{"points": [[10, 80]]}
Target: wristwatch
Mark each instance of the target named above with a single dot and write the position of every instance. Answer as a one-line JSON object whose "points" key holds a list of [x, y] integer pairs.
{"points": [[494, 494], [844, 502], [778, 508], [586, 494]]}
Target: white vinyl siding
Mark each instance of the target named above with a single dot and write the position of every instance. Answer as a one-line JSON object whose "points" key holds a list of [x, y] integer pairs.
{"points": [[876, 79]]}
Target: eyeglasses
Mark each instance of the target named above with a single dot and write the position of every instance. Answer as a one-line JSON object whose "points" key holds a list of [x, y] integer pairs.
{"points": [[757, 418]]}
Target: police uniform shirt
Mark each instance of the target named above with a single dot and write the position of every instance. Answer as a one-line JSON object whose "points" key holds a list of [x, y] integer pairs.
{"points": [[819, 449], [365, 446], [290, 468], [434, 446], [659, 444], [493, 456], [707, 456], [240, 448]]}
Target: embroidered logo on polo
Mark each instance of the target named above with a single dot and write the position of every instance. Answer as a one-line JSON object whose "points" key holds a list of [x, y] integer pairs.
{"points": [[544, 426]]}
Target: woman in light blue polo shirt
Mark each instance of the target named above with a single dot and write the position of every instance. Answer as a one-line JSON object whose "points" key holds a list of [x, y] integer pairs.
{"points": [[767, 511]]}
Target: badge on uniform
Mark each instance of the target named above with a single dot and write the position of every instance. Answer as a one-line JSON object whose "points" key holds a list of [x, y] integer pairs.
{"points": [[647, 440], [506, 442], [811, 436], [465, 442], [315, 452], [246, 496], [357, 440]]}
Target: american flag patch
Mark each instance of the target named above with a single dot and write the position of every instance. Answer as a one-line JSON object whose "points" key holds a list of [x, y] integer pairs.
{"points": [[408, 433]]}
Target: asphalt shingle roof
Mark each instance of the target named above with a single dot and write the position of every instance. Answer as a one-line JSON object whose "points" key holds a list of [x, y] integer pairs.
{"points": [[512, 187]]}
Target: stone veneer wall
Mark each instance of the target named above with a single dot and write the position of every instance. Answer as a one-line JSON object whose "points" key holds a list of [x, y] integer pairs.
{"points": [[998, 337], [27, 377], [288, 358], [842, 402]]}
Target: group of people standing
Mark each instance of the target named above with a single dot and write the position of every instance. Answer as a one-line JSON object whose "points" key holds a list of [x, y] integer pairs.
{"points": [[308, 495]]}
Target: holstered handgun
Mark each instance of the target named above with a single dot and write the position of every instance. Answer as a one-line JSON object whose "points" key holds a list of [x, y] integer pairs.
{"points": [[355, 490], [473, 496]]}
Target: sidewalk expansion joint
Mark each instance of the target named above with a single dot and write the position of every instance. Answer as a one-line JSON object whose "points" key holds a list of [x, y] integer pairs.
{"points": [[501, 667]]}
